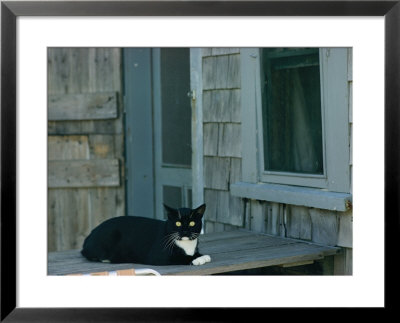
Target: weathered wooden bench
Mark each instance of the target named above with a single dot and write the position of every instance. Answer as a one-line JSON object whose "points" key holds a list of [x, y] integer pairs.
{"points": [[229, 251]]}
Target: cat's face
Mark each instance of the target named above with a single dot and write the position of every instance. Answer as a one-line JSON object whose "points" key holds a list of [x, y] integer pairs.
{"points": [[185, 223]]}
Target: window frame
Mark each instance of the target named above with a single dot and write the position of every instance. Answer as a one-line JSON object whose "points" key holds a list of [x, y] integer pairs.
{"points": [[335, 73]]}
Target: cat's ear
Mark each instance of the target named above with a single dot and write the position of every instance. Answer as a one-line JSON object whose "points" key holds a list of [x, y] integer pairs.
{"points": [[170, 210], [199, 211]]}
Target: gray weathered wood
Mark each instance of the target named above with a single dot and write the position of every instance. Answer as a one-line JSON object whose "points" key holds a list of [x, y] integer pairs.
{"points": [[68, 223], [216, 172], [211, 200], [343, 262], [224, 50], [325, 227], [107, 127], [298, 225], [84, 173], [273, 219], [103, 146], [230, 140], [221, 72], [229, 251], [302, 196], [223, 208], [258, 213], [210, 139], [85, 106], [221, 105], [345, 233], [86, 72], [68, 147]]}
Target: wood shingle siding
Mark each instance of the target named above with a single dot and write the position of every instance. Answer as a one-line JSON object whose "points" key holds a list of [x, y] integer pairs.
{"points": [[216, 172], [222, 127], [222, 137], [221, 106], [221, 72]]}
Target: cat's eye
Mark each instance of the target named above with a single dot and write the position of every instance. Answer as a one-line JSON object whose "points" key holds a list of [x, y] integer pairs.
{"points": [[191, 223], [178, 224]]}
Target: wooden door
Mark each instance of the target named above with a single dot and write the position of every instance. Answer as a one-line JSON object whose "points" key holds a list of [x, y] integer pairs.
{"points": [[158, 130]]}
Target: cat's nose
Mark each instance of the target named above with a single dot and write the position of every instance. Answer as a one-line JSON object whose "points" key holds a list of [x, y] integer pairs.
{"points": [[185, 238]]}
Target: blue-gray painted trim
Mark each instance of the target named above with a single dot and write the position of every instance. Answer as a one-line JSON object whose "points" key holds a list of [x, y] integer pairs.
{"points": [[138, 132], [196, 85], [294, 195]]}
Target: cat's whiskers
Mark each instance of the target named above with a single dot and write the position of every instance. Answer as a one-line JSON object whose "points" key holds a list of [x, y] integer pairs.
{"points": [[170, 240]]}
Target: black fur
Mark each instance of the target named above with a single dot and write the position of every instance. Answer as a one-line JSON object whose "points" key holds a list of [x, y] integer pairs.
{"points": [[131, 239]]}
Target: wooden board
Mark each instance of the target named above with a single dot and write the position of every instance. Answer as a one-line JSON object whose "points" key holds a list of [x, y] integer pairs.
{"points": [[84, 173], [229, 251], [84, 106]]}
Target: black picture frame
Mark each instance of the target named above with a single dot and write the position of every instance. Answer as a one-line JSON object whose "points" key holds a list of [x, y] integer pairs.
{"points": [[10, 10]]}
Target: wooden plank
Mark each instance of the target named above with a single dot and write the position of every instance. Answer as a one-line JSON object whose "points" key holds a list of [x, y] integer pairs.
{"points": [[58, 70], [257, 223], [217, 236], [68, 221], [102, 146], [294, 195], [299, 225], [273, 219], [343, 263], [105, 203], [345, 233], [67, 147], [230, 251], [84, 106], [84, 173], [299, 263], [325, 226]]}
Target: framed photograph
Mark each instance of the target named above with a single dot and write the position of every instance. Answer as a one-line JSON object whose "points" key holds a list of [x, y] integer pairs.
{"points": [[274, 124]]}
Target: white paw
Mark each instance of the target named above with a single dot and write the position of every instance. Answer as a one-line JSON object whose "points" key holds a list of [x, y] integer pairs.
{"points": [[201, 260]]}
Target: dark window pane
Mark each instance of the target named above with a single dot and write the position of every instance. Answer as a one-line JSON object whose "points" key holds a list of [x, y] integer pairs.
{"points": [[176, 108], [292, 111], [189, 198], [172, 196]]}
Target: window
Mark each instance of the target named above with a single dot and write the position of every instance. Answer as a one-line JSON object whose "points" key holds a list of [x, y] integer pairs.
{"points": [[295, 122], [291, 111]]}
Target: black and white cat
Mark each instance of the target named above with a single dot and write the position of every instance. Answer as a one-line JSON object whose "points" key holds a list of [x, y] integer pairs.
{"points": [[132, 239]]}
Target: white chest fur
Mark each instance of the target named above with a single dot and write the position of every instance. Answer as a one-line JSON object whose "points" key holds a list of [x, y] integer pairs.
{"points": [[189, 246]]}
